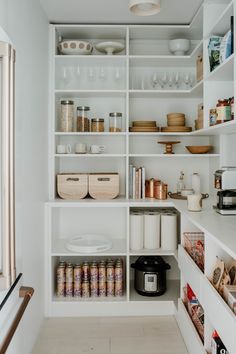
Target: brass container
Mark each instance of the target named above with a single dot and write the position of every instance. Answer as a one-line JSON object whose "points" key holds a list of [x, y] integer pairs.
{"points": [[160, 190]]}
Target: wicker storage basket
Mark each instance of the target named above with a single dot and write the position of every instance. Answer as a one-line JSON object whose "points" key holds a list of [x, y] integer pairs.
{"points": [[194, 245], [72, 185]]}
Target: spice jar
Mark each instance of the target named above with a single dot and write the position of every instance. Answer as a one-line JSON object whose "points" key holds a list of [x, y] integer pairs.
{"points": [[67, 115], [212, 117], [83, 123], [223, 111], [97, 125], [115, 122]]}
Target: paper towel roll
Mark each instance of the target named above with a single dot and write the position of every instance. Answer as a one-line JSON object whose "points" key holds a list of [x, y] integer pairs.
{"points": [[152, 222], [169, 231], [136, 231]]}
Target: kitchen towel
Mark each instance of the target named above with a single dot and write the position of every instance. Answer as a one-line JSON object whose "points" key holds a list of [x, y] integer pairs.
{"points": [[136, 231], [152, 222], [169, 231]]}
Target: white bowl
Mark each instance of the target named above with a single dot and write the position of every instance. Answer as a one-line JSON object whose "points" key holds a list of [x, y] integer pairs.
{"points": [[75, 47], [179, 46]]}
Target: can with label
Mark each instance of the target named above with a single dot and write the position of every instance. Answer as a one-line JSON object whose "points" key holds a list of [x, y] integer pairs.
{"points": [[85, 271], [101, 289], [118, 287], [110, 288], [110, 272], [85, 288], [102, 272], [213, 117], [94, 272], [69, 280], [94, 289], [61, 280], [77, 280], [118, 271]]}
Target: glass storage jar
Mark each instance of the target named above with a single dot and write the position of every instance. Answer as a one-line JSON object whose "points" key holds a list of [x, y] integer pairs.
{"points": [[115, 122], [67, 116], [83, 122], [97, 125]]}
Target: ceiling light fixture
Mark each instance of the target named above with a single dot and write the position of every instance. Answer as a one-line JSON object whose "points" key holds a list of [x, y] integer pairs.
{"points": [[145, 7]]}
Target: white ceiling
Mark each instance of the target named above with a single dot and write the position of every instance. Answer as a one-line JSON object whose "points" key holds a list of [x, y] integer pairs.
{"points": [[116, 11]]}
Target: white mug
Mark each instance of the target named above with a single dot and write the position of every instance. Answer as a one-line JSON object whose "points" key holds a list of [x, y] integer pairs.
{"points": [[80, 148], [194, 202], [64, 149], [97, 149]]}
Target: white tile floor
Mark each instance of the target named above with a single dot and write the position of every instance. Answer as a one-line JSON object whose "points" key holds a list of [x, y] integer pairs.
{"points": [[115, 335]]}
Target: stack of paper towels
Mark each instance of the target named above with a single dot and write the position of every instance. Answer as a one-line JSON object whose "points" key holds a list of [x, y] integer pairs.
{"points": [[152, 230]]}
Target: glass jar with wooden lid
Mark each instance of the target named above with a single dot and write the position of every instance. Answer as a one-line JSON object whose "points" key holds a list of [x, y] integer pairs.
{"points": [[115, 122], [83, 122], [97, 125]]}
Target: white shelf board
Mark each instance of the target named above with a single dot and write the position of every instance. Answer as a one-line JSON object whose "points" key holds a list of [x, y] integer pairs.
{"points": [[88, 155], [168, 60], [223, 128], [196, 91], [89, 133], [223, 72], [91, 57], [158, 134], [174, 155], [88, 300], [172, 293], [156, 252], [222, 24], [89, 93], [191, 337], [118, 249]]}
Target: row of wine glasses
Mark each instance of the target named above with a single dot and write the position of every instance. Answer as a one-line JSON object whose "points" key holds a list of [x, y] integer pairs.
{"points": [[102, 74], [174, 79]]}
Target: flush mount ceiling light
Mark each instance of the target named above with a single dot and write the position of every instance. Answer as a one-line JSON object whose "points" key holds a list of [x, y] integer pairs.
{"points": [[145, 7]]}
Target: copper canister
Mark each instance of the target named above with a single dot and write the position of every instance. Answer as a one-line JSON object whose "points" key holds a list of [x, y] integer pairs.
{"points": [[160, 190], [149, 188]]}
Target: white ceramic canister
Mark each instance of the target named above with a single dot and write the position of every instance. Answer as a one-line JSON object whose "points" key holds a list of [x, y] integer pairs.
{"points": [[196, 183], [194, 202]]}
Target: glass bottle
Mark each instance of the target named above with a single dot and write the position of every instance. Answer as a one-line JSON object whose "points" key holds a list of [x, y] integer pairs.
{"points": [[180, 183]]}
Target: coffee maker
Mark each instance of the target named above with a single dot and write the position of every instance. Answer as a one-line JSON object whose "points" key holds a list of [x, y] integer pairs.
{"points": [[225, 182]]}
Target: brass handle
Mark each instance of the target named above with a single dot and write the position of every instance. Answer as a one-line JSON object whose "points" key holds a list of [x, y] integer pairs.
{"points": [[73, 179], [100, 179], [27, 293]]}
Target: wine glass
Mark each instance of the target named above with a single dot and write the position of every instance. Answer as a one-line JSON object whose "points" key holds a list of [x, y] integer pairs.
{"points": [[102, 74], [65, 76], [163, 80], [177, 80], [191, 80], [154, 80], [187, 79], [170, 80]]}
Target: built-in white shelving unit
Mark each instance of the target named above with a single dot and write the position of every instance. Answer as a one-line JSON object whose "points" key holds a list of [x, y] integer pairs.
{"points": [[126, 85]]}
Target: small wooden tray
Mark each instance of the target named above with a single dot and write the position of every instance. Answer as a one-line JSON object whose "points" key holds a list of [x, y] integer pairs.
{"points": [[179, 196], [179, 129], [144, 123], [144, 129]]}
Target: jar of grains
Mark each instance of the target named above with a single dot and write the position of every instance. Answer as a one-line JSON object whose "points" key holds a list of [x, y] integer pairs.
{"points": [[115, 122], [67, 116], [223, 111], [97, 125], [83, 122]]}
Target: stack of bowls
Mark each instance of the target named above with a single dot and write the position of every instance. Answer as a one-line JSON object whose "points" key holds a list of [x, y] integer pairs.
{"points": [[176, 120]]}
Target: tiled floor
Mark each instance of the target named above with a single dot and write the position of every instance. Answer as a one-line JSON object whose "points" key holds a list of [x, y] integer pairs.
{"points": [[115, 335]]}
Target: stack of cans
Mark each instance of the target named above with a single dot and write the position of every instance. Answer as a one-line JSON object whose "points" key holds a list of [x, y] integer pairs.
{"points": [[96, 279]]}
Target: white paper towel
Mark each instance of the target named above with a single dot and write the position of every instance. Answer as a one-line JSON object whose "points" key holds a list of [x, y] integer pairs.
{"points": [[152, 230], [136, 231], [169, 231]]}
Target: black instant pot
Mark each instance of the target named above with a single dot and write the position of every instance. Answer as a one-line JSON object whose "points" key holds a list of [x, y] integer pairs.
{"points": [[150, 275]]}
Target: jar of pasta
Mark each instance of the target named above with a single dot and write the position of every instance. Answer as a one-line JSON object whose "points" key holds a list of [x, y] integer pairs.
{"points": [[115, 122], [67, 116]]}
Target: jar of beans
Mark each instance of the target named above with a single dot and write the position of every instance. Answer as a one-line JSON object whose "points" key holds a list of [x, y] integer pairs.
{"points": [[83, 122], [97, 125]]}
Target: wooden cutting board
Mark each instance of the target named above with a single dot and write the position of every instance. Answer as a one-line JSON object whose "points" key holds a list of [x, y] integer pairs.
{"points": [[174, 129]]}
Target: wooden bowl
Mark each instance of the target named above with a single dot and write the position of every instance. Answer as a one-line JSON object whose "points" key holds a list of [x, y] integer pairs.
{"points": [[144, 123], [199, 149], [176, 121]]}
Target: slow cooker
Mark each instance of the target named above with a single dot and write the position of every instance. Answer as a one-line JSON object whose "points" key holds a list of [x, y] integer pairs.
{"points": [[150, 275]]}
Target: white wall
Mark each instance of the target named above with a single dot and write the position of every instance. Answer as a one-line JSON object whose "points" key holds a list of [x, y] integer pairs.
{"points": [[27, 26]]}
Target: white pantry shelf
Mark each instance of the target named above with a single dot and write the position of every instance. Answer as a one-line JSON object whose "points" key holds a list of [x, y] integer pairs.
{"points": [[156, 252], [89, 299], [118, 249], [91, 57], [89, 134], [222, 24], [218, 129], [89, 93], [88, 155], [174, 155]]}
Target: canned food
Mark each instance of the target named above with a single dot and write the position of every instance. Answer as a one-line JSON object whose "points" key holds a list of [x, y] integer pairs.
{"points": [[77, 288], [60, 289], [94, 272], [118, 272], [110, 288], [213, 117], [118, 287], [85, 288], [102, 289], [102, 272], [110, 273], [69, 280], [94, 289], [85, 271], [77, 273]]}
